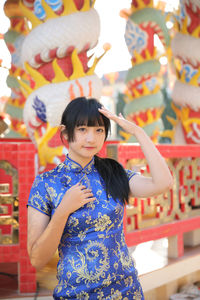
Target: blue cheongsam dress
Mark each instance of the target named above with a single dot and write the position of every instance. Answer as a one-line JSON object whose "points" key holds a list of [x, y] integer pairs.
{"points": [[94, 262]]}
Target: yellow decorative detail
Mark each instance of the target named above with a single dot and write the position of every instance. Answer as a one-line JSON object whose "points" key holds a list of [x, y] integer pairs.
{"points": [[48, 10], [168, 134], [59, 74], [148, 54], [150, 117], [40, 80], [69, 8], [141, 5], [47, 154], [19, 72], [194, 80], [20, 28], [140, 122], [183, 115], [186, 121], [172, 121], [97, 59], [136, 94], [78, 71], [176, 110], [15, 102], [128, 96], [30, 15], [177, 64], [184, 25], [196, 32], [19, 128], [183, 29], [139, 59], [37, 77], [25, 88], [182, 76], [161, 5], [168, 53], [125, 135], [171, 16], [145, 91], [155, 135]]}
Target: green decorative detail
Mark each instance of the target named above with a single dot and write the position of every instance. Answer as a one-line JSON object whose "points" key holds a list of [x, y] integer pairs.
{"points": [[11, 36], [149, 14], [144, 103], [149, 129], [148, 67], [14, 134], [12, 82], [14, 111]]}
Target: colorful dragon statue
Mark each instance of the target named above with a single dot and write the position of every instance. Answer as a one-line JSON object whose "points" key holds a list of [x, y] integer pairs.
{"points": [[14, 38], [186, 91], [54, 53], [143, 98]]}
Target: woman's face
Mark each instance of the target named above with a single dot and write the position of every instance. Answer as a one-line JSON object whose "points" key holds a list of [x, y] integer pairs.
{"points": [[88, 141]]}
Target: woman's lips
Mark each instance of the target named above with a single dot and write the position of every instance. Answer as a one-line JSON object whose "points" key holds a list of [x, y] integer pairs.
{"points": [[89, 148]]}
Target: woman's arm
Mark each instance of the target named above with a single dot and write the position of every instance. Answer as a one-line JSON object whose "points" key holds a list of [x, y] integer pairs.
{"points": [[161, 178], [44, 234]]}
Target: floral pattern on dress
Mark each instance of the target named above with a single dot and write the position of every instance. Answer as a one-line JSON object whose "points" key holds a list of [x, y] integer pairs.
{"points": [[94, 262]]}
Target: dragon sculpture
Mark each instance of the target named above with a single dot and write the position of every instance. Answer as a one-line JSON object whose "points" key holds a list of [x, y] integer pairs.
{"points": [[143, 98], [55, 56], [186, 91]]}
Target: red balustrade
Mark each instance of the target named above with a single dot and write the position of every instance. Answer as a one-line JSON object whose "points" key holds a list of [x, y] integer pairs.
{"points": [[17, 172], [171, 214]]}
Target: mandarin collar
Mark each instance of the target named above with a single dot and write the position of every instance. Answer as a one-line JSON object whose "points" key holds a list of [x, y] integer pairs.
{"points": [[75, 167]]}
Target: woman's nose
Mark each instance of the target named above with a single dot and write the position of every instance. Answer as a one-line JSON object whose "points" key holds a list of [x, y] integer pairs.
{"points": [[90, 136]]}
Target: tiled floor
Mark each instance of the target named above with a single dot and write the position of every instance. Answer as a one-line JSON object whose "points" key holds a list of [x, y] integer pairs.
{"points": [[148, 256]]}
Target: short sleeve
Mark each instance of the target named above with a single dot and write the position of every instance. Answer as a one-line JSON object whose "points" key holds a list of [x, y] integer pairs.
{"points": [[131, 173], [39, 197]]}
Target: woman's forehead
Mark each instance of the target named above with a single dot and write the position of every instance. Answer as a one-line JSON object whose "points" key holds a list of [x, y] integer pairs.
{"points": [[95, 125], [93, 121]]}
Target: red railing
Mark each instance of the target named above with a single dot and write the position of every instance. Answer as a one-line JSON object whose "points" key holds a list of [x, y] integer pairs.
{"points": [[17, 172], [169, 215]]}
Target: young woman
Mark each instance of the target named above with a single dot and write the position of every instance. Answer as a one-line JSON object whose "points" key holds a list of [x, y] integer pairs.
{"points": [[78, 208]]}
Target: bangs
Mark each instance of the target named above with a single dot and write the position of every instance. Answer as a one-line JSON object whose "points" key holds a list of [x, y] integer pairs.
{"points": [[89, 117], [83, 112]]}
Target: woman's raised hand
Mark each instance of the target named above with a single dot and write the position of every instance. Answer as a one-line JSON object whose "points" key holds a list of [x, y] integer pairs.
{"points": [[75, 197], [128, 126]]}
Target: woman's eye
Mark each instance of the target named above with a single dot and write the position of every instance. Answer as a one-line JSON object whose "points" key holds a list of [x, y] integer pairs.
{"points": [[82, 129], [100, 130]]}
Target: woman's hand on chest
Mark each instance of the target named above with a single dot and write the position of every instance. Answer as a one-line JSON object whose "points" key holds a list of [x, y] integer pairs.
{"points": [[75, 197]]}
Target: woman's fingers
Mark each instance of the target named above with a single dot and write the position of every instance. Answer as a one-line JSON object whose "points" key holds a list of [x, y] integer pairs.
{"points": [[88, 199], [108, 114], [88, 194], [121, 116]]}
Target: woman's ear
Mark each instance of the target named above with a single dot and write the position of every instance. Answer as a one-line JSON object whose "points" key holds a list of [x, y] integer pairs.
{"points": [[62, 129]]}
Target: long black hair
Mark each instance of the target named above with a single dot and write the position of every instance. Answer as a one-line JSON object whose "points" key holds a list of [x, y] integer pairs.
{"points": [[82, 111]]}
